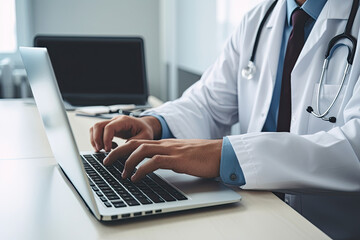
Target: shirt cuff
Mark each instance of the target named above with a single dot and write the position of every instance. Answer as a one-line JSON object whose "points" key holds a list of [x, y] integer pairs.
{"points": [[230, 170], [165, 130]]}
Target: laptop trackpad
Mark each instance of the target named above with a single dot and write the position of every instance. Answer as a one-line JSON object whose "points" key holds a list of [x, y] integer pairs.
{"points": [[197, 188]]}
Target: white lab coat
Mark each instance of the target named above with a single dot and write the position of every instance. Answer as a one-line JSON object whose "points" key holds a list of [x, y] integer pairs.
{"points": [[317, 162]]}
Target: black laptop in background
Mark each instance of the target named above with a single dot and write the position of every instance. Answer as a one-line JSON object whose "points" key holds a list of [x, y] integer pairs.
{"points": [[98, 70]]}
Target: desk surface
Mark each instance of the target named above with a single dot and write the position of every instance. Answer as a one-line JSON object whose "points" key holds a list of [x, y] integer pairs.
{"points": [[39, 203]]}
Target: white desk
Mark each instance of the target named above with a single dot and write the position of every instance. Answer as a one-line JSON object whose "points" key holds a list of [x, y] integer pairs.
{"points": [[37, 202]]}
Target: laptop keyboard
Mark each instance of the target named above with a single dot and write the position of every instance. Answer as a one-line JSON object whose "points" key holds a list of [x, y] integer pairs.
{"points": [[113, 191]]}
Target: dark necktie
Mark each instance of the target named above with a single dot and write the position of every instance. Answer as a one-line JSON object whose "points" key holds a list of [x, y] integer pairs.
{"points": [[293, 49]]}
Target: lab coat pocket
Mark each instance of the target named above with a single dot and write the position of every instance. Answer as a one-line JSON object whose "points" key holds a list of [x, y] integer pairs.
{"points": [[327, 95]]}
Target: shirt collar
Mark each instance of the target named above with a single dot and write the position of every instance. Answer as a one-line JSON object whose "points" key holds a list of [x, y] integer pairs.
{"points": [[311, 7]]}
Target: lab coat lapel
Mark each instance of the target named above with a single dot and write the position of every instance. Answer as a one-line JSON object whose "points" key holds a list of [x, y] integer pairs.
{"points": [[267, 58], [275, 28]]}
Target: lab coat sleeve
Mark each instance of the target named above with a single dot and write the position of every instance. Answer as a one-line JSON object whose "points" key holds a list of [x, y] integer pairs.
{"points": [[321, 162], [209, 108]]}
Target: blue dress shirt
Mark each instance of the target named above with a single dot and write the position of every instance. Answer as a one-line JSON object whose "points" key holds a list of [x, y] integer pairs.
{"points": [[230, 170], [165, 130]]}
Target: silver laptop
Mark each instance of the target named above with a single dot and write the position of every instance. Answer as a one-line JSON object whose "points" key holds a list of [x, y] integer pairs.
{"points": [[107, 195]]}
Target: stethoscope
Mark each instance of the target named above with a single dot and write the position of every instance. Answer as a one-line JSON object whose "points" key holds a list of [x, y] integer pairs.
{"points": [[249, 71]]}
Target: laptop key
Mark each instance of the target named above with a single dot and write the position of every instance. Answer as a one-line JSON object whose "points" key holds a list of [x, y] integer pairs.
{"points": [[154, 197], [167, 197], [179, 196], [128, 198], [120, 190], [132, 203], [107, 204], [144, 201], [118, 166], [113, 197], [103, 186], [119, 204], [91, 183], [99, 156], [98, 180], [107, 190]]}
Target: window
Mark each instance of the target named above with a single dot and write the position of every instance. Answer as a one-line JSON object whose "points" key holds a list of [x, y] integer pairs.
{"points": [[8, 39], [229, 14], [232, 11]]}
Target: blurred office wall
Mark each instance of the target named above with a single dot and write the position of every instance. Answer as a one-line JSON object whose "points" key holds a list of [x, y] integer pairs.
{"points": [[182, 37], [194, 32]]}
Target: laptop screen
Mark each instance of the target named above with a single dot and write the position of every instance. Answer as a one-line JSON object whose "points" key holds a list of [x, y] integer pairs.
{"points": [[98, 70]]}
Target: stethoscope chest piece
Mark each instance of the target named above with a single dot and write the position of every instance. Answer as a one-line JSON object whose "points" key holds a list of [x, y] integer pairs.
{"points": [[249, 71]]}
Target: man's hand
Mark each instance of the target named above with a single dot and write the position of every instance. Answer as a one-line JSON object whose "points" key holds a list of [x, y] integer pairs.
{"points": [[124, 127], [195, 157]]}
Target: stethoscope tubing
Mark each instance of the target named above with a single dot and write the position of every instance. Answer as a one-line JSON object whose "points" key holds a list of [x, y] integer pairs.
{"points": [[322, 116]]}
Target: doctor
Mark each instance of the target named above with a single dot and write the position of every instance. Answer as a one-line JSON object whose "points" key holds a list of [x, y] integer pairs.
{"points": [[280, 146]]}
